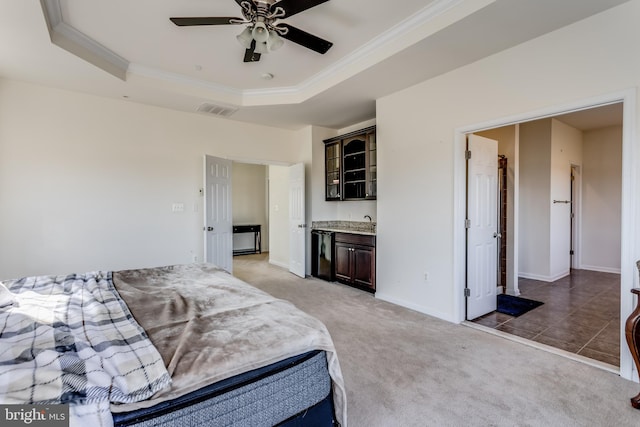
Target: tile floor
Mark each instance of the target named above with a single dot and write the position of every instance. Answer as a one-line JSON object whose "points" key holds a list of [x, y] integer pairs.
{"points": [[580, 314]]}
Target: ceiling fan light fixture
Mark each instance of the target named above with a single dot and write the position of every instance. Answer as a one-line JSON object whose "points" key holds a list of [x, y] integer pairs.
{"points": [[245, 37], [263, 30], [260, 32], [274, 42], [261, 47]]}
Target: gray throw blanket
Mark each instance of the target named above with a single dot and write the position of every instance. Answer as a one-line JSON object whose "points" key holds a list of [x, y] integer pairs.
{"points": [[209, 326], [72, 340]]}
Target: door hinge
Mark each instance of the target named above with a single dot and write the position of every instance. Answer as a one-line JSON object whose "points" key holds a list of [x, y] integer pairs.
{"points": [[467, 223], [467, 292], [467, 154], [571, 252]]}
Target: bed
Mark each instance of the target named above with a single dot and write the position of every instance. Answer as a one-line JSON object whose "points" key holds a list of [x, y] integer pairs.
{"points": [[167, 346]]}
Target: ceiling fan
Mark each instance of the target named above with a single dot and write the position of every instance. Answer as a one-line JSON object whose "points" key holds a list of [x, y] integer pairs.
{"points": [[264, 31]]}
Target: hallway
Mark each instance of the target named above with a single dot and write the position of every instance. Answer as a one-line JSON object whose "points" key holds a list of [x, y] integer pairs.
{"points": [[580, 314]]}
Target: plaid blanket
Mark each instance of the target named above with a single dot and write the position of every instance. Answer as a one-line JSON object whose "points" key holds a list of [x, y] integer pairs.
{"points": [[72, 340]]}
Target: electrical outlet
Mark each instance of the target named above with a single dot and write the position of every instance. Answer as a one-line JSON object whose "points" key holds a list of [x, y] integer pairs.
{"points": [[426, 276]]}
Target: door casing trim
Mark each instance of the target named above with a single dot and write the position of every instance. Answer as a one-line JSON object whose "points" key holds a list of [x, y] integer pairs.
{"points": [[629, 236]]}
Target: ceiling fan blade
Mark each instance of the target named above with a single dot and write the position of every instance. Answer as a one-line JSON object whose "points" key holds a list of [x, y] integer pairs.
{"points": [[291, 7], [220, 20], [250, 55], [305, 39]]}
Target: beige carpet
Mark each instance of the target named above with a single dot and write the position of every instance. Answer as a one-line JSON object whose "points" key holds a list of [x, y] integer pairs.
{"points": [[403, 368]]}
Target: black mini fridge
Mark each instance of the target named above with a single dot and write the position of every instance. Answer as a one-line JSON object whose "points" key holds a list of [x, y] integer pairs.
{"points": [[322, 251]]}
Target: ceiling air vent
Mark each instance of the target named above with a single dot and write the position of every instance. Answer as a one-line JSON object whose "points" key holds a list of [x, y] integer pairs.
{"points": [[216, 109]]}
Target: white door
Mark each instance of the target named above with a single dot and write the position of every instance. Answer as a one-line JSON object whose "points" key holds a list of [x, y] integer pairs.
{"points": [[218, 227], [482, 231], [297, 226]]}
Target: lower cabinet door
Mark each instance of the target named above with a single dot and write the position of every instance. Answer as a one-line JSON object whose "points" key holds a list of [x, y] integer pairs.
{"points": [[343, 262], [362, 266]]}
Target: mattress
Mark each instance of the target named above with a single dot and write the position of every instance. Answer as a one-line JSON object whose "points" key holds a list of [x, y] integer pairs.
{"points": [[296, 391]]}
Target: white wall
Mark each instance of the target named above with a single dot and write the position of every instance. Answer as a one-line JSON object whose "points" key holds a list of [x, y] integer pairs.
{"points": [[548, 148], [279, 216], [566, 150], [249, 199], [417, 127], [89, 183], [601, 199], [535, 204]]}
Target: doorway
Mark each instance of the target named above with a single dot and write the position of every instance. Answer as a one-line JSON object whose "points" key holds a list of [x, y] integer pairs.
{"points": [[250, 202], [269, 198], [565, 264]]}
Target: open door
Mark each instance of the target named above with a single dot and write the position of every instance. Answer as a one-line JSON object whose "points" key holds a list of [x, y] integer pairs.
{"points": [[218, 219], [297, 225], [482, 225]]}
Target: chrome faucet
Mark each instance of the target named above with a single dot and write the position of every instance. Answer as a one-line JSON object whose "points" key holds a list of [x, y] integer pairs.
{"points": [[368, 216]]}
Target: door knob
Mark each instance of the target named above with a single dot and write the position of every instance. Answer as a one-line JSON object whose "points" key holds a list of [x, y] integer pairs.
{"points": [[497, 235], [209, 228]]}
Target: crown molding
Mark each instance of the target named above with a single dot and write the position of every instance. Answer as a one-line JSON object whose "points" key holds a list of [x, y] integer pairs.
{"points": [[179, 82], [401, 36], [79, 44], [365, 53]]}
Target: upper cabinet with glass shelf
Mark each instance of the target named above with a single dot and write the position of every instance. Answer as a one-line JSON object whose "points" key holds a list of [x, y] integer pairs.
{"points": [[351, 166], [332, 168]]}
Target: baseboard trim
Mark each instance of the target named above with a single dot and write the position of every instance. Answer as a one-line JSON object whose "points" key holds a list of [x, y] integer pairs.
{"points": [[543, 278], [414, 307], [279, 264], [601, 269]]}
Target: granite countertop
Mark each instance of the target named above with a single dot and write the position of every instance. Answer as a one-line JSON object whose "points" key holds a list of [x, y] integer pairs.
{"points": [[353, 227]]}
